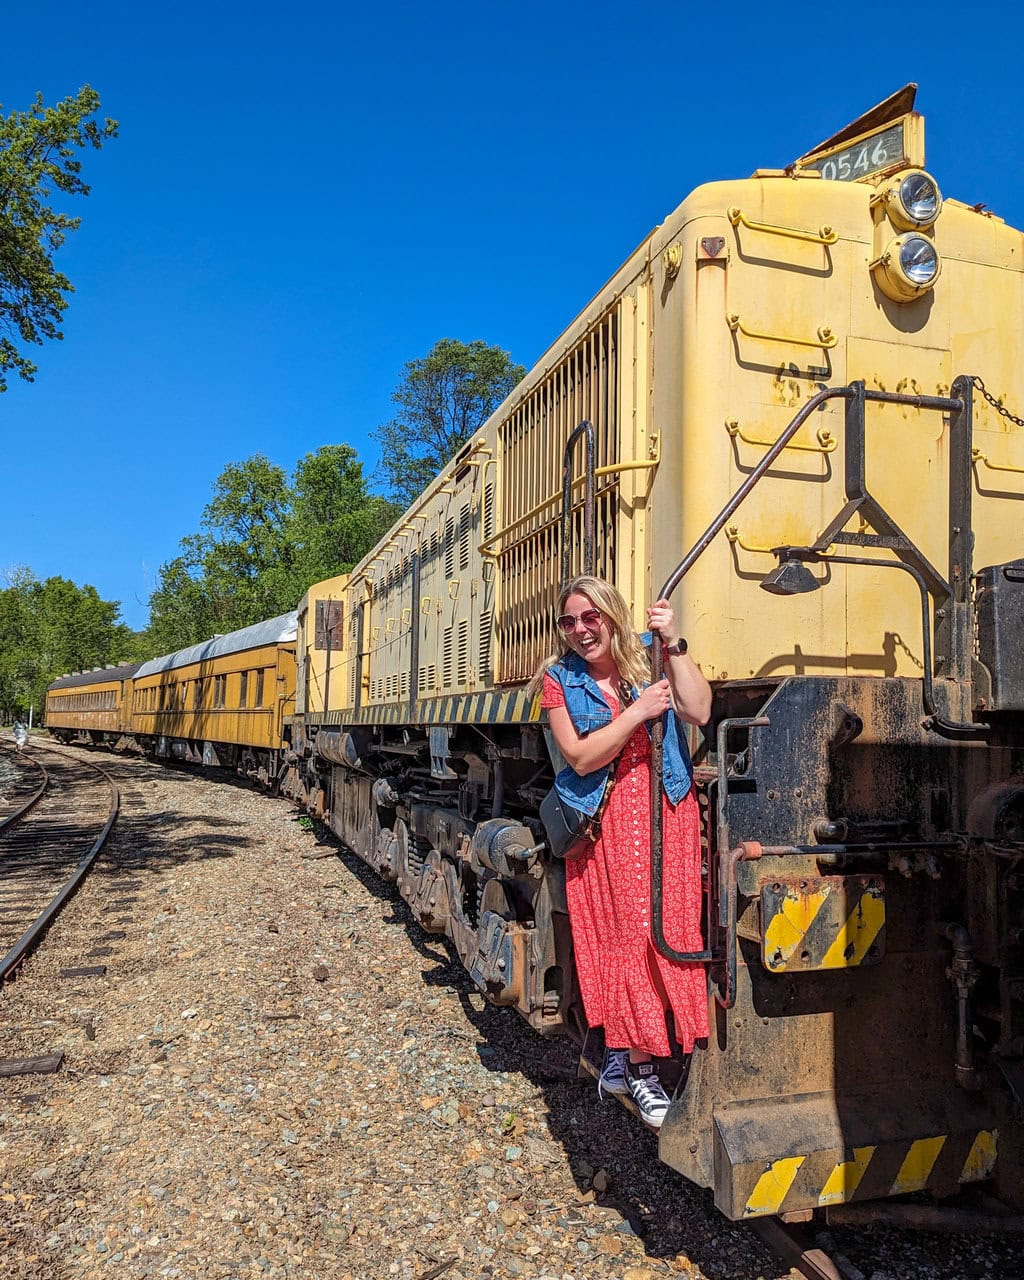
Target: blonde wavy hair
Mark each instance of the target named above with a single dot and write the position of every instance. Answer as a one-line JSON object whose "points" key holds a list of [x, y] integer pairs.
{"points": [[629, 652]]}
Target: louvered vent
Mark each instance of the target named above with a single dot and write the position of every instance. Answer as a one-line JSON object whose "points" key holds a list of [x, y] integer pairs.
{"points": [[449, 548], [462, 669], [484, 661], [428, 679], [584, 385], [446, 659], [464, 532], [489, 511]]}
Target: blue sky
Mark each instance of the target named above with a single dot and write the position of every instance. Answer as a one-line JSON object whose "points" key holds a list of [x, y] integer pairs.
{"points": [[303, 197]]}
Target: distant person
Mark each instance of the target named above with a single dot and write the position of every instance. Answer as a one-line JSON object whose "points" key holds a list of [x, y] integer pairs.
{"points": [[600, 703], [20, 735]]}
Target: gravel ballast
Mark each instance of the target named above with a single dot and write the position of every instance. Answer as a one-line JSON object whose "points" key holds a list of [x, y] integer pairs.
{"points": [[280, 1074]]}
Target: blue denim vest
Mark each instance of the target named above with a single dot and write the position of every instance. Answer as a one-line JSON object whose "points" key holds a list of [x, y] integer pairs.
{"points": [[588, 710]]}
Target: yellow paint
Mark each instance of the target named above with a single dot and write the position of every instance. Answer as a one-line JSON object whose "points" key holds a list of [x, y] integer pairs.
{"points": [[859, 932], [981, 1158], [773, 1186], [788, 926], [917, 1166], [790, 263], [845, 1178]]}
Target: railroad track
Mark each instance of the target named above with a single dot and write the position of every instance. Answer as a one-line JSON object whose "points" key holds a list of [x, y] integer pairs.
{"points": [[53, 824]]}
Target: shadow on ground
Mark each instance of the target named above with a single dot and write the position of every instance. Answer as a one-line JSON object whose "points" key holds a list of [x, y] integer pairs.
{"points": [[669, 1215]]}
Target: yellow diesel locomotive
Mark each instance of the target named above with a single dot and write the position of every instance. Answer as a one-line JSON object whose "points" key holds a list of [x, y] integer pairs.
{"points": [[794, 408]]}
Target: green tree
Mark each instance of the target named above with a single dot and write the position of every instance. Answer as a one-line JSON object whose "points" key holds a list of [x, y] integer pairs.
{"points": [[334, 520], [75, 629], [37, 165], [15, 644], [443, 398], [263, 541], [247, 555], [52, 627], [237, 569]]}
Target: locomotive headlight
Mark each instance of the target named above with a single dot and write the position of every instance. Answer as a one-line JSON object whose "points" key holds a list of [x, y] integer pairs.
{"points": [[913, 200], [909, 267], [918, 261]]}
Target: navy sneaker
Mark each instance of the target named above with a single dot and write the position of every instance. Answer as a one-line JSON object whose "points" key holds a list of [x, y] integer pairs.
{"points": [[613, 1073], [647, 1092]]}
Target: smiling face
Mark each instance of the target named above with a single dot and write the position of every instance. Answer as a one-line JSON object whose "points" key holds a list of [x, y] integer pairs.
{"points": [[591, 639]]}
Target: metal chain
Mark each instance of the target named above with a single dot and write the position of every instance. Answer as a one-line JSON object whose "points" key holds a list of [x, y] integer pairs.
{"points": [[998, 405]]}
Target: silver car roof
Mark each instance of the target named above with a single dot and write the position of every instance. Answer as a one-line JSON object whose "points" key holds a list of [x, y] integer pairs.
{"points": [[98, 675], [274, 631]]}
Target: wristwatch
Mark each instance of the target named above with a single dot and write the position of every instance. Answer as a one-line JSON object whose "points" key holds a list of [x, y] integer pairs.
{"points": [[673, 650]]}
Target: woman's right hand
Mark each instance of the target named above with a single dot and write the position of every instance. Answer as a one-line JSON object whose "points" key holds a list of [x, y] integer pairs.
{"points": [[654, 701]]}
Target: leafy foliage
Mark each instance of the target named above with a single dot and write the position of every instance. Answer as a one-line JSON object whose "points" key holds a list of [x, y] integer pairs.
{"points": [[50, 628], [443, 399], [334, 521], [38, 163], [263, 542]]}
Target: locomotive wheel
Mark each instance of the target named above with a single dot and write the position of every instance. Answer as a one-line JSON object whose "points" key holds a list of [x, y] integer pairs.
{"points": [[431, 903]]}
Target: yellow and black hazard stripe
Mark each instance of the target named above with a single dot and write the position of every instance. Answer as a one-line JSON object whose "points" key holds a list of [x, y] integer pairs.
{"points": [[822, 922], [819, 1179], [499, 706]]}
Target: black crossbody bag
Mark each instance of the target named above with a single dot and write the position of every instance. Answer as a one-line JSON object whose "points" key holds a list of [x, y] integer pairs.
{"points": [[570, 831]]}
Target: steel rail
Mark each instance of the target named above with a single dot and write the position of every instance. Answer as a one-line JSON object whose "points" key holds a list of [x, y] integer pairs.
{"points": [[34, 933], [791, 1246], [31, 802]]}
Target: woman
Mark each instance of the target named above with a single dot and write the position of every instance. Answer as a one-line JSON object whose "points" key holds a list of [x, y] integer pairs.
{"points": [[600, 702]]}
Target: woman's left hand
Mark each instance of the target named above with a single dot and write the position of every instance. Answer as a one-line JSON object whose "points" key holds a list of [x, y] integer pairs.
{"points": [[661, 618], [691, 693]]}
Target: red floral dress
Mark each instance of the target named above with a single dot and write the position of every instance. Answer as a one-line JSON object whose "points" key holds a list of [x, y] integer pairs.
{"points": [[626, 985]]}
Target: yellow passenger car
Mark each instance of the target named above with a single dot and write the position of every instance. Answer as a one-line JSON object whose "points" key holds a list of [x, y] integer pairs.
{"points": [[221, 702], [94, 706]]}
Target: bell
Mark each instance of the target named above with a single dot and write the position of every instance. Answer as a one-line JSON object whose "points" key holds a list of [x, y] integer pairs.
{"points": [[790, 578]]}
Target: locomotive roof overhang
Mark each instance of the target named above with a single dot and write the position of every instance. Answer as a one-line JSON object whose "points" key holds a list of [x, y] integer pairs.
{"points": [[102, 675], [279, 630]]}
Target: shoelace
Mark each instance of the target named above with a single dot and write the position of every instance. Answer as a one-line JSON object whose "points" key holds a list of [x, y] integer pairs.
{"points": [[615, 1065], [649, 1094]]}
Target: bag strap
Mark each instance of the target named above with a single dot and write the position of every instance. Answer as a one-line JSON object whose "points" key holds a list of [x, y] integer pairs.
{"points": [[594, 825]]}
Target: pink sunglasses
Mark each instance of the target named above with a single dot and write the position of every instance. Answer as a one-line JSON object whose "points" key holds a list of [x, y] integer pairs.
{"points": [[589, 618]]}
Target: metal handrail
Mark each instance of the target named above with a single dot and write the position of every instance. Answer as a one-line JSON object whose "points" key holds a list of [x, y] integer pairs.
{"points": [[585, 429], [940, 403], [824, 235], [611, 469]]}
